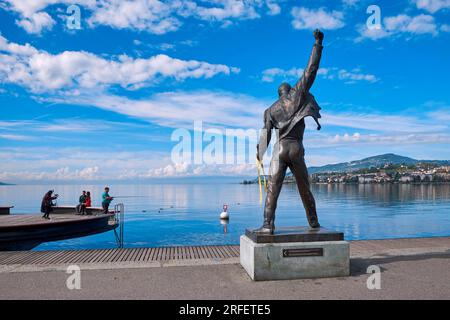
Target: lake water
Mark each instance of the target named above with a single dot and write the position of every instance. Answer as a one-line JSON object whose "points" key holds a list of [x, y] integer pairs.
{"points": [[188, 214]]}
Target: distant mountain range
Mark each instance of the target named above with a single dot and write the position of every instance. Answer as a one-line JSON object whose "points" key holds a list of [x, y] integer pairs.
{"points": [[375, 161]]}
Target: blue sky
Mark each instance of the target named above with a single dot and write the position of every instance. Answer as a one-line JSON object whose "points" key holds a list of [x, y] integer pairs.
{"points": [[102, 101]]}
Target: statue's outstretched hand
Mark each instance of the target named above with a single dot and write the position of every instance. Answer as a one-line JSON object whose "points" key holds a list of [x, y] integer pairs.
{"points": [[318, 35]]}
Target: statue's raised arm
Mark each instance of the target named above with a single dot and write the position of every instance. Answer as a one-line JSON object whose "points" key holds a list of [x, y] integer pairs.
{"points": [[309, 74]]}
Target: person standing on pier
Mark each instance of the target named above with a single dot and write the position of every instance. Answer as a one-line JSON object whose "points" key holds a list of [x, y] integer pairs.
{"points": [[47, 203], [106, 200]]}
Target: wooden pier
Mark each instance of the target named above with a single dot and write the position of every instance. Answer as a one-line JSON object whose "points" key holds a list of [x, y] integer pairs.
{"points": [[25, 231], [157, 254], [5, 209]]}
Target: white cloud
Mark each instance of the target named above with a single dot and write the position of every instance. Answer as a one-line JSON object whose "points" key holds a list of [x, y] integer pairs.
{"points": [[170, 170], [304, 18], [187, 170], [274, 8], [31, 15], [64, 174], [350, 3], [355, 75], [36, 22], [432, 5], [398, 25], [41, 71], [153, 16], [382, 123], [15, 137], [221, 10], [373, 34], [77, 130], [346, 137], [376, 140], [43, 163], [442, 113], [269, 75], [179, 109], [417, 25], [445, 28], [77, 125], [70, 164], [150, 15]]}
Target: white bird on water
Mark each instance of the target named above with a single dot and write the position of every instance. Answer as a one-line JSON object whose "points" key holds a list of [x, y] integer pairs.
{"points": [[225, 215]]}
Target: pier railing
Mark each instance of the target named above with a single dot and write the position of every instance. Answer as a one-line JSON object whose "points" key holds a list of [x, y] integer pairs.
{"points": [[119, 213]]}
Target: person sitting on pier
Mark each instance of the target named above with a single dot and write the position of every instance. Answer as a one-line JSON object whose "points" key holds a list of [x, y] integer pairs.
{"points": [[106, 200], [87, 203], [47, 203], [81, 201]]}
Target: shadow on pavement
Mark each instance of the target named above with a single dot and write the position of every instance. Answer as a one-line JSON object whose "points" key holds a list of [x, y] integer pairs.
{"points": [[358, 266]]}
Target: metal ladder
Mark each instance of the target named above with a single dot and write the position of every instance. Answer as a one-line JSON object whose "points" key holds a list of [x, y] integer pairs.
{"points": [[119, 212]]}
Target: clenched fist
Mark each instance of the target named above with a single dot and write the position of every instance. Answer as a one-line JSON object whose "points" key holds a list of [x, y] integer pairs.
{"points": [[318, 35]]}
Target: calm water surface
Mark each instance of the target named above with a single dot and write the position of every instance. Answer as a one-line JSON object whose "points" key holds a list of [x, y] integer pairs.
{"points": [[188, 214]]}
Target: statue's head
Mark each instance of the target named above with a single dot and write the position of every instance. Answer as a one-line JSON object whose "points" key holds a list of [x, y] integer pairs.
{"points": [[284, 89]]}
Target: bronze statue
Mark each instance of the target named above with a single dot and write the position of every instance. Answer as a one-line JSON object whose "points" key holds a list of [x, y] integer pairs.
{"points": [[287, 115]]}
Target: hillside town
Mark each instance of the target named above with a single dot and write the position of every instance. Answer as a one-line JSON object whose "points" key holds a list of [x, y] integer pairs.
{"points": [[419, 173]]}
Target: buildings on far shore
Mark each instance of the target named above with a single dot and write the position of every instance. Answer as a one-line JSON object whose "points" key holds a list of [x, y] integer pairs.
{"points": [[427, 172], [424, 173]]}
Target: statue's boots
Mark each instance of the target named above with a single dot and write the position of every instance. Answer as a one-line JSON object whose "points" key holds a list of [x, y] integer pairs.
{"points": [[267, 228], [264, 230], [313, 221]]}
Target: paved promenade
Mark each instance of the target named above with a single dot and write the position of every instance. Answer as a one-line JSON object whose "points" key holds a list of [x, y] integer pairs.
{"points": [[410, 269]]}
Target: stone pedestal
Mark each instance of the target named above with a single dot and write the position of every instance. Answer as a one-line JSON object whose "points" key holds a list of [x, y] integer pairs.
{"points": [[295, 253]]}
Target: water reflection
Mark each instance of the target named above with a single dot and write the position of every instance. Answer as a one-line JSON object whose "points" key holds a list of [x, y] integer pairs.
{"points": [[224, 223]]}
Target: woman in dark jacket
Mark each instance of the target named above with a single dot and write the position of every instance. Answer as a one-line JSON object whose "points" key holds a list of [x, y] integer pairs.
{"points": [[47, 202]]}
